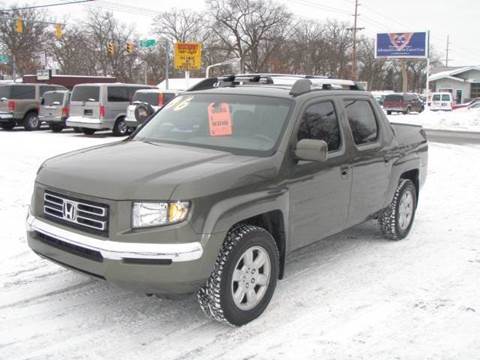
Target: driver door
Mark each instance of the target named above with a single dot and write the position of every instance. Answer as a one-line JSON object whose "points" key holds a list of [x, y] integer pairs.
{"points": [[319, 191]]}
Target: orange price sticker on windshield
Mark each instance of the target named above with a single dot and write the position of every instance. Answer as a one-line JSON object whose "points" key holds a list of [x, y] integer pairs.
{"points": [[219, 119]]}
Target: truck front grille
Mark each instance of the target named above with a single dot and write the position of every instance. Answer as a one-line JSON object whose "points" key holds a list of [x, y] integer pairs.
{"points": [[81, 214]]}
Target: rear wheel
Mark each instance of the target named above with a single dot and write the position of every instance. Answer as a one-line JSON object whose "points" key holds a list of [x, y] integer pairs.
{"points": [[87, 131], [120, 128], [389, 112], [56, 127], [244, 279], [397, 220], [8, 125], [32, 122]]}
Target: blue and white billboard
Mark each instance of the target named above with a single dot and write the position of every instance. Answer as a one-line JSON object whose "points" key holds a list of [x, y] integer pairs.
{"points": [[402, 45]]}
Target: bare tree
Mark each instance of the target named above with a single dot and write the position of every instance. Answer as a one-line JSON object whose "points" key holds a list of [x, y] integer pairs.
{"points": [[23, 47], [250, 29]]}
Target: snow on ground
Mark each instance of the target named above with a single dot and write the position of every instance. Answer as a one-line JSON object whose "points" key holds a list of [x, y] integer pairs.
{"points": [[354, 295], [458, 120]]}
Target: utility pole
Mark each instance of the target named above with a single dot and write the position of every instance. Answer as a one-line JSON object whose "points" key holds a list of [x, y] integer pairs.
{"points": [[447, 51], [354, 49]]}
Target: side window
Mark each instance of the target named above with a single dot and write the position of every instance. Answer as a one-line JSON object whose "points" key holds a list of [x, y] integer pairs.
{"points": [[362, 121], [118, 94], [22, 92], [320, 122]]}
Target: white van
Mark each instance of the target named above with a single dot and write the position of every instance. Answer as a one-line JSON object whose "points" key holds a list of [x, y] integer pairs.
{"points": [[441, 101], [101, 106]]}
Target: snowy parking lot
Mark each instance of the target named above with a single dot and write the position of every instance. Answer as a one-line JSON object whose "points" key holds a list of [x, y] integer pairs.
{"points": [[354, 295]]}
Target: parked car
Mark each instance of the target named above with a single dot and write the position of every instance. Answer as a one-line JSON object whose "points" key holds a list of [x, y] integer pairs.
{"points": [[403, 103], [215, 191], [20, 103], [146, 102], [54, 109], [441, 101], [101, 107], [466, 105]]}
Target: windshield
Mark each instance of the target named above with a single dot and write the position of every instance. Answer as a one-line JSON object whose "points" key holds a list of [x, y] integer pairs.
{"points": [[235, 123], [50, 97], [85, 93], [146, 97]]}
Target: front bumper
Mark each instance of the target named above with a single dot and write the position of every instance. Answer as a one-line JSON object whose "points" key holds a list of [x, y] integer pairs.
{"points": [[146, 267], [115, 250], [83, 122]]}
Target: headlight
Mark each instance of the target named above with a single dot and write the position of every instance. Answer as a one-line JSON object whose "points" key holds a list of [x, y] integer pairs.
{"points": [[147, 214]]}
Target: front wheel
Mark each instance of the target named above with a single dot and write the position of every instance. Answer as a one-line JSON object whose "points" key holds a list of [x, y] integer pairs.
{"points": [[56, 127], [120, 128], [32, 122], [244, 279], [397, 220], [88, 131]]}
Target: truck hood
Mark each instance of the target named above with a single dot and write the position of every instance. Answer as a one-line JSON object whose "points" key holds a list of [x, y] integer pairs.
{"points": [[136, 170]]}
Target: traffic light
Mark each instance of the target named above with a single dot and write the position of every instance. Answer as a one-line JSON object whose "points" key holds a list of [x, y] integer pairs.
{"points": [[111, 48], [58, 31], [19, 25], [130, 47]]}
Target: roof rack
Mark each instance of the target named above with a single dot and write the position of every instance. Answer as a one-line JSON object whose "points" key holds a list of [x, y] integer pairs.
{"points": [[298, 84]]}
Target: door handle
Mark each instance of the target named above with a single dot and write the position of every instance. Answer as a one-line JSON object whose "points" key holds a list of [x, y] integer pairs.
{"points": [[344, 170]]}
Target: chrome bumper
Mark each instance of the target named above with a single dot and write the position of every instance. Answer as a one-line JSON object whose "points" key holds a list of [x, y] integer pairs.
{"points": [[83, 122], [115, 250]]}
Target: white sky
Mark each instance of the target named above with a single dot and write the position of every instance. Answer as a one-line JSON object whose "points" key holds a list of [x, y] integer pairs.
{"points": [[457, 18]]}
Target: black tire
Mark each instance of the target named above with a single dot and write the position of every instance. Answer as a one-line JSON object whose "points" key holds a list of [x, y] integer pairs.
{"points": [[88, 131], [8, 125], [120, 128], [31, 121], [407, 111], [216, 298], [77, 129], [389, 112], [56, 127], [389, 219]]}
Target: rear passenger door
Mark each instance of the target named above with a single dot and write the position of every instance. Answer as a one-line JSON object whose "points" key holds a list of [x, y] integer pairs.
{"points": [[319, 191], [371, 166]]}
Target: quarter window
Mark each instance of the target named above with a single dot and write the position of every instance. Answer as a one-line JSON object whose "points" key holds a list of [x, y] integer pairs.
{"points": [[320, 122], [362, 121]]}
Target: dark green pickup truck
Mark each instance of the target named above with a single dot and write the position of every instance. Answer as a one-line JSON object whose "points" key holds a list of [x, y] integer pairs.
{"points": [[215, 191]]}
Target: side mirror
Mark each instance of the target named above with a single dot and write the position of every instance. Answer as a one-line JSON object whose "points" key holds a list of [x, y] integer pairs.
{"points": [[311, 150]]}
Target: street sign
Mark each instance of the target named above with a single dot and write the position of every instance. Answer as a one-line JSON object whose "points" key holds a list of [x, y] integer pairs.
{"points": [[4, 59], [44, 74], [148, 43], [188, 56], [402, 45]]}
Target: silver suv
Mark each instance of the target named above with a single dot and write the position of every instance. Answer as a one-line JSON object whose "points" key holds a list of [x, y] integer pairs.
{"points": [[101, 106]]}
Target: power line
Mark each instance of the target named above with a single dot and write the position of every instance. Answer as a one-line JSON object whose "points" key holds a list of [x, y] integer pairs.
{"points": [[45, 5]]}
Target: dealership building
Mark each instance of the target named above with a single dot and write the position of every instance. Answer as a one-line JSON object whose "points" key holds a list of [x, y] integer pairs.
{"points": [[462, 82]]}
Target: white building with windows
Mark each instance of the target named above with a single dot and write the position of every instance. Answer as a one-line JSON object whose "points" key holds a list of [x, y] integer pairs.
{"points": [[462, 82]]}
